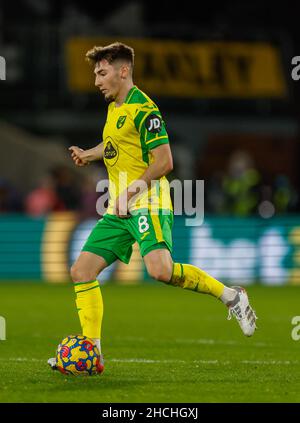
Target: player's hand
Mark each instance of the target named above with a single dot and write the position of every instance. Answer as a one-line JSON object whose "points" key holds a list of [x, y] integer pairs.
{"points": [[77, 156]]}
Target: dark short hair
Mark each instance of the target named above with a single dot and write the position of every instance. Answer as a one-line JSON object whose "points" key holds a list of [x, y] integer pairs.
{"points": [[111, 53]]}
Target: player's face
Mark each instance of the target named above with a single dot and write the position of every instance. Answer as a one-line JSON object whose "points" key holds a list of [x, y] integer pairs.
{"points": [[107, 79]]}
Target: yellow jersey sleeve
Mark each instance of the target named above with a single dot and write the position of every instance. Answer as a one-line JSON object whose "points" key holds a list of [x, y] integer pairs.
{"points": [[150, 126]]}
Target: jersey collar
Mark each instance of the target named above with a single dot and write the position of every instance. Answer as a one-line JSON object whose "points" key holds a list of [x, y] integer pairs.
{"points": [[130, 92]]}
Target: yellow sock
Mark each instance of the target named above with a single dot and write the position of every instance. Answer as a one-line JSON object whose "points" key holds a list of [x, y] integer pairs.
{"points": [[90, 308], [191, 277]]}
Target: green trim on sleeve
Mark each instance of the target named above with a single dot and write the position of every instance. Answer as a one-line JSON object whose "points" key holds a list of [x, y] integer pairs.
{"points": [[138, 118], [157, 142], [144, 147]]}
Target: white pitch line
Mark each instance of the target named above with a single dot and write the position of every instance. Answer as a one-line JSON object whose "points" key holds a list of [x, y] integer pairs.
{"points": [[226, 362], [151, 361], [269, 362], [142, 360], [219, 342], [22, 359], [201, 341]]}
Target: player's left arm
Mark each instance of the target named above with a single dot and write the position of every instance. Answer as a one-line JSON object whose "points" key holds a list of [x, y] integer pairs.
{"points": [[162, 165]]}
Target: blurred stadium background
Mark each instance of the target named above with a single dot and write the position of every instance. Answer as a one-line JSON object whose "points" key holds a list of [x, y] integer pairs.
{"points": [[222, 78]]}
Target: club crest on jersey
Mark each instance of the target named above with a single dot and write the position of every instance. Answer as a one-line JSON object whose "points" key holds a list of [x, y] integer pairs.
{"points": [[121, 121], [153, 123]]}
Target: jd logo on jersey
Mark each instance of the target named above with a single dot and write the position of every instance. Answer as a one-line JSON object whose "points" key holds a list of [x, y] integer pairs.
{"points": [[153, 123], [121, 121]]}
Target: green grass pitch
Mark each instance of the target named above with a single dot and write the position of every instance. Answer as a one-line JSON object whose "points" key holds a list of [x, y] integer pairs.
{"points": [[161, 344]]}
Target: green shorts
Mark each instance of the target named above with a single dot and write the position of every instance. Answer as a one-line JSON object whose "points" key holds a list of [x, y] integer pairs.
{"points": [[112, 237]]}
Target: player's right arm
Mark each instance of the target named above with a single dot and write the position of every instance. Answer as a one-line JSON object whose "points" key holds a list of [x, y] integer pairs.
{"points": [[84, 157]]}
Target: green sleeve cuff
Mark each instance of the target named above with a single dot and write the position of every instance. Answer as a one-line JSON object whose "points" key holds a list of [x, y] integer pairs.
{"points": [[156, 142]]}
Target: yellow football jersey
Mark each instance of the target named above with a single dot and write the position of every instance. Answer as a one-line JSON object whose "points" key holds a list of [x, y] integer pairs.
{"points": [[130, 133]]}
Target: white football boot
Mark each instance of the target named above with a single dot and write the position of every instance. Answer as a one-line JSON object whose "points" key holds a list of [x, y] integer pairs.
{"points": [[100, 364], [240, 308], [52, 363]]}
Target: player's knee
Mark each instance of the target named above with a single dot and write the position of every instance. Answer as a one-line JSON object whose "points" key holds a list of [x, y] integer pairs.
{"points": [[79, 274], [161, 274]]}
